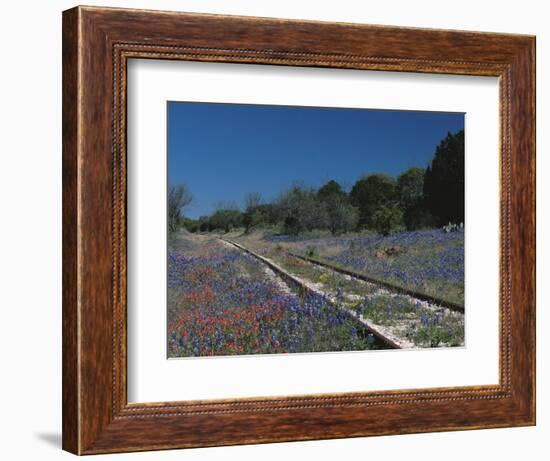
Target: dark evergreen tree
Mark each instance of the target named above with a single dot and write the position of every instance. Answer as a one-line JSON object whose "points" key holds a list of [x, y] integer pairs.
{"points": [[444, 181]]}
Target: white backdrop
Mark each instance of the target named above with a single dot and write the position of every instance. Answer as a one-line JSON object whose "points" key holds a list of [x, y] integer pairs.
{"points": [[153, 378], [30, 247]]}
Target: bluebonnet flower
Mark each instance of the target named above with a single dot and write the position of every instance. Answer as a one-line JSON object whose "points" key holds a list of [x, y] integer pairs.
{"points": [[424, 320]]}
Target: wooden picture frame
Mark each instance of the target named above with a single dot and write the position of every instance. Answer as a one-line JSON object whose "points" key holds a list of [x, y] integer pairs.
{"points": [[97, 43]]}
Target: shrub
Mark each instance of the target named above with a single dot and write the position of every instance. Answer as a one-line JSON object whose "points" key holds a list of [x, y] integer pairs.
{"points": [[225, 220], [387, 219], [310, 251], [451, 227], [192, 225]]}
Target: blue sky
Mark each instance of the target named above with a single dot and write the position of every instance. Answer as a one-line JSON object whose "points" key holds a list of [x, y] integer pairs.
{"points": [[223, 151]]}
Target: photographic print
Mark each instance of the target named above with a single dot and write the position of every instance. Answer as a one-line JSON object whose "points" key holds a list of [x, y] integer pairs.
{"points": [[313, 229], [264, 234]]}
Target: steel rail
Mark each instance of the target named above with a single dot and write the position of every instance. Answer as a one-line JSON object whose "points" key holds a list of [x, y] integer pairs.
{"points": [[392, 343], [395, 288]]}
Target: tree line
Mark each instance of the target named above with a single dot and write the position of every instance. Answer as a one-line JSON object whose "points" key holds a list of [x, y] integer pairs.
{"points": [[417, 198]]}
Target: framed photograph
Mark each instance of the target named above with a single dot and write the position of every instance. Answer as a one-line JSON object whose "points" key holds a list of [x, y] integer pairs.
{"points": [[282, 230]]}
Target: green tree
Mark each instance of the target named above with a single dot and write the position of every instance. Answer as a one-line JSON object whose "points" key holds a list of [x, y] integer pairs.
{"points": [[371, 193], [410, 190], [387, 219], [252, 215], [444, 181], [329, 190], [204, 223], [192, 225], [342, 216], [410, 185], [300, 210], [225, 219]]}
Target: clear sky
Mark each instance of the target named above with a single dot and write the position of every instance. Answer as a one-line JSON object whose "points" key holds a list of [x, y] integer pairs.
{"points": [[223, 151]]}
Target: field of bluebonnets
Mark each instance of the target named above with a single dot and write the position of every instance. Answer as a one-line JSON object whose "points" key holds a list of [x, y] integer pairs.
{"points": [[426, 261], [430, 261], [224, 302]]}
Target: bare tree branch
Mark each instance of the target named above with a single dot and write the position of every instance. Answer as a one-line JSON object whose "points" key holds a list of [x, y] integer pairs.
{"points": [[178, 198]]}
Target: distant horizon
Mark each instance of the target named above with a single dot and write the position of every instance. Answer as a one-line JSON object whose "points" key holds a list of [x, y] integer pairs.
{"points": [[223, 151]]}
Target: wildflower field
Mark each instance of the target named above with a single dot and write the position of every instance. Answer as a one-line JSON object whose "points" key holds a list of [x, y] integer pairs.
{"points": [[222, 301], [427, 261]]}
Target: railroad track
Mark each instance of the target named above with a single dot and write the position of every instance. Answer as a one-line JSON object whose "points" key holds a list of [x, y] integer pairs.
{"points": [[387, 338], [391, 287]]}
